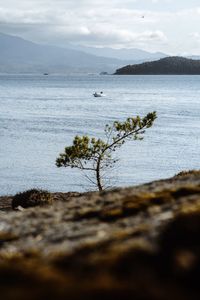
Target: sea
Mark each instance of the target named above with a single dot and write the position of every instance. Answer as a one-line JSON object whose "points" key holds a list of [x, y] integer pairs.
{"points": [[40, 115]]}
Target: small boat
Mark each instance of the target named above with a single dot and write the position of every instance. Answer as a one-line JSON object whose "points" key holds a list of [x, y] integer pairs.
{"points": [[101, 94]]}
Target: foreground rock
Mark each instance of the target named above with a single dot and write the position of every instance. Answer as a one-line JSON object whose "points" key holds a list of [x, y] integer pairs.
{"points": [[137, 243]]}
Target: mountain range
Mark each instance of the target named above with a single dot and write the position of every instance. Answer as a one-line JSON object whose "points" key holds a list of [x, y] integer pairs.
{"points": [[124, 53], [21, 56]]}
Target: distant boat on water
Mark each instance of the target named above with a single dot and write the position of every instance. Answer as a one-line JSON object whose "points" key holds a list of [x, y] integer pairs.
{"points": [[46, 74], [101, 94]]}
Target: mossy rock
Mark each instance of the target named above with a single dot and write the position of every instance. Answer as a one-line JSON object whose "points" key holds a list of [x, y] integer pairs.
{"points": [[187, 173], [32, 198]]}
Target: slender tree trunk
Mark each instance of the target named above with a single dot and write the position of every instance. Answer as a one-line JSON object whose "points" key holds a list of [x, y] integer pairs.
{"points": [[98, 176]]}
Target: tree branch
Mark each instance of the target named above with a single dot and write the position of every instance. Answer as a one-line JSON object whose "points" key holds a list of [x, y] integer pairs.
{"points": [[124, 137]]}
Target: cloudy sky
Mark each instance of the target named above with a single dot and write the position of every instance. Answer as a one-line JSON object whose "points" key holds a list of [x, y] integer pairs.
{"points": [[171, 26]]}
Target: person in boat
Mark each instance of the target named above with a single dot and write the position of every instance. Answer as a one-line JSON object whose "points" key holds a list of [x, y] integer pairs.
{"points": [[98, 94]]}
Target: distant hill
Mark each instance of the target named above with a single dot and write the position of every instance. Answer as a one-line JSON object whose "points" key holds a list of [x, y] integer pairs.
{"points": [[166, 66], [21, 56], [196, 57], [132, 54]]}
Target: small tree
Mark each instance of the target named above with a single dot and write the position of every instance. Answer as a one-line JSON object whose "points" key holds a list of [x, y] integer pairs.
{"points": [[91, 154]]}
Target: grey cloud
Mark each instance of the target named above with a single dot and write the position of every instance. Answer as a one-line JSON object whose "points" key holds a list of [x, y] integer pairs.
{"points": [[82, 24], [113, 23]]}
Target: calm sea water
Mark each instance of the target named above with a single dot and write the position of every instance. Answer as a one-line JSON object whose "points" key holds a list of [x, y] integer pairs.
{"points": [[39, 116]]}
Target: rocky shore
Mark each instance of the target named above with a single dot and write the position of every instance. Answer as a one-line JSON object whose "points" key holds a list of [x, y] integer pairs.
{"points": [[137, 243]]}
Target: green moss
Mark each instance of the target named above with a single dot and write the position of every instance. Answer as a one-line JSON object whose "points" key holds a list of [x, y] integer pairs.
{"points": [[186, 173], [32, 198]]}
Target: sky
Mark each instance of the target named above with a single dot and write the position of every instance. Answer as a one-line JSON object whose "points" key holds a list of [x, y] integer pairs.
{"points": [[170, 26]]}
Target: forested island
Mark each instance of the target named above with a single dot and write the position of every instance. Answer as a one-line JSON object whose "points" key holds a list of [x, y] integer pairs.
{"points": [[166, 66]]}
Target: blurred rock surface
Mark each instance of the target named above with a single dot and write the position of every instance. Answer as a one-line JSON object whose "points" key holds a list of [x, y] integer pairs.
{"points": [[139, 243]]}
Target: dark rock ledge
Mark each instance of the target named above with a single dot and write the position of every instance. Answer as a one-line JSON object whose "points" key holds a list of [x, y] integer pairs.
{"points": [[139, 243]]}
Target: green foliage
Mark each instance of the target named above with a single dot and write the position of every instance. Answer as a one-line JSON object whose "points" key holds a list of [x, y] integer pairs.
{"points": [[83, 150], [91, 154], [31, 198]]}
